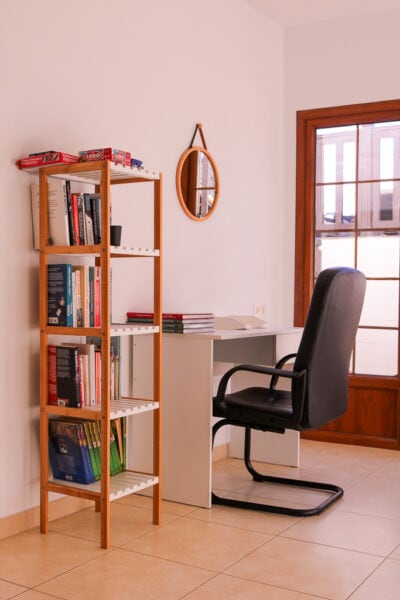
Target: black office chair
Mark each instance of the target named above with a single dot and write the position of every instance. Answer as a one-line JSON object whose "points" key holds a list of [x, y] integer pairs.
{"points": [[319, 383]]}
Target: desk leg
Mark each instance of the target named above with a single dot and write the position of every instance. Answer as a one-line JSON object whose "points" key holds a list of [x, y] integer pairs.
{"points": [[187, 389]]}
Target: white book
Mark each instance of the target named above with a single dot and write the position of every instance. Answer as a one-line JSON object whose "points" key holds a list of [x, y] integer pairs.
{"points": [[58, 214]]}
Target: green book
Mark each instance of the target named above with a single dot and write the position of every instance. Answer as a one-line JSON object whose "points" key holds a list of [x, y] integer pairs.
{"points": [[92, 452]]}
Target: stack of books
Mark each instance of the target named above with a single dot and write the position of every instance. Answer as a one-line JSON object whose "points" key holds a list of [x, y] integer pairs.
{"points": [[177, 322]]}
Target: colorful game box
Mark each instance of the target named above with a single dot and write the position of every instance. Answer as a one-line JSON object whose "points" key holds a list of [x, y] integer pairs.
{"points": [[119, 157], [44, 159]]}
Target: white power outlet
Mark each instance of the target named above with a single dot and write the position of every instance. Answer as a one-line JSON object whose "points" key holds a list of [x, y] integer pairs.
{"points": [[258, 309]]}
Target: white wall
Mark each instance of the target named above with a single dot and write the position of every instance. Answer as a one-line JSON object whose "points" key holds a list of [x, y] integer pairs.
{"points": [[139, 75], [333, 63]]}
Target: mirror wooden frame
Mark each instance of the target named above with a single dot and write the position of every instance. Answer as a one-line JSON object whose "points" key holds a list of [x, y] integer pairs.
{"points": [[179, 170]]}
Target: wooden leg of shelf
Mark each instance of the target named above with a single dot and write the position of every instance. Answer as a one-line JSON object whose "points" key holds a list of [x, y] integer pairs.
{"points": [[105, 524], [97, 506], [156, 505], [44, 511]]}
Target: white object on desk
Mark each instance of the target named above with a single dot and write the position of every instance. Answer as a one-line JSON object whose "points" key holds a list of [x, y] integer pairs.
{"points": [[239, 322]]}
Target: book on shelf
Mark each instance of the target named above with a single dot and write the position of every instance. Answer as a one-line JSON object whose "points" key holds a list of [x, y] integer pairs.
{"points": [[88, 214], [96, 217], [58, 227], [74, 219], [96, 465], [74, 373], [68, 451], [63, 369], [75, 448], [60, 298], [87, 353], [115, 366], [74, 295]]}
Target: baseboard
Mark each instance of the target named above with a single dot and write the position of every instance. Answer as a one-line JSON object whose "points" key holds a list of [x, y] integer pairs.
{"points": [[220, 452], [27, 519]]}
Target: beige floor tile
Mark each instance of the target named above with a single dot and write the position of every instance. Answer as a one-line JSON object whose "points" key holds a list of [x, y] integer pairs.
{"points": [[34, 595], [383, 584], [245, 519], [9, 590], [123, 575], [30, 558], [376, 495], [167, 507], [308, 568], [372, 535], [126, 523], [201, 544], [234, 588]]}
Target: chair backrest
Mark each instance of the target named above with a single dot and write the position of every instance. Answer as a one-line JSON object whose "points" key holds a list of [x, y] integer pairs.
{"points": [[327, 343]]}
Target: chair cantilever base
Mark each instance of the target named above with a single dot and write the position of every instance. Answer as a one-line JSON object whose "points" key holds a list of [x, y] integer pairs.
{"points": [[335, 492]]}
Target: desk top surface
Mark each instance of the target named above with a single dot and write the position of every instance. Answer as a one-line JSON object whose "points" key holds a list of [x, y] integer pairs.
{"points": [[233, 334]]}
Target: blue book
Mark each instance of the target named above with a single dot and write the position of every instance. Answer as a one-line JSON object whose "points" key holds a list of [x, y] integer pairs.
{"points": [[59, 282], [68, 452]]}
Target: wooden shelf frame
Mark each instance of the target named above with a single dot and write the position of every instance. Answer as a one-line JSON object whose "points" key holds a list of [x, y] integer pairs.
{"points": [[102, 174]]}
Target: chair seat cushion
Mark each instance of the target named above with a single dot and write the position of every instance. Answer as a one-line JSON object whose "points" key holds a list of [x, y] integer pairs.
{"points": [[255, 405]]}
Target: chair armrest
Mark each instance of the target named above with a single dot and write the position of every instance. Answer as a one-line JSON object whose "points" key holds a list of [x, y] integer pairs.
{"points": [[279, 365], [274, 371]]}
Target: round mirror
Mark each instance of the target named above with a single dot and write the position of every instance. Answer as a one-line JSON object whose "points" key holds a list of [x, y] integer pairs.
{"points": [[197, 183]]}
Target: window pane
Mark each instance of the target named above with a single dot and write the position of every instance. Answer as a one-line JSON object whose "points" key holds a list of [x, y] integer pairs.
{"points": [[334, 251], [336, 154], [349, 161], [381, 304], [376, 352], [336, 205], [378, 205], [379, 149], [378, 254], [349, 203], [328, 196]]}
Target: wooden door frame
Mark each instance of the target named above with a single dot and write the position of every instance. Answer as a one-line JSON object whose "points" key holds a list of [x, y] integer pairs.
{"points": [[308, 121]]}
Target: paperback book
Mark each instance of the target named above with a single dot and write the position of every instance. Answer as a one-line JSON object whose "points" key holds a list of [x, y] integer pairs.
{"points": [[59, 277]]}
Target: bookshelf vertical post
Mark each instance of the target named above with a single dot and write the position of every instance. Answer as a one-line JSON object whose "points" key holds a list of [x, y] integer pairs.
{"points": [[157, 358]]}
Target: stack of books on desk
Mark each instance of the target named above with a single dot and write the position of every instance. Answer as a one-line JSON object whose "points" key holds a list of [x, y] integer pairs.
{"points": [[177, 322]]}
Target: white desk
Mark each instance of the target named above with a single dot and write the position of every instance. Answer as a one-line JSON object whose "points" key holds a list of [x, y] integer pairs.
{"points": [[192, 367]]}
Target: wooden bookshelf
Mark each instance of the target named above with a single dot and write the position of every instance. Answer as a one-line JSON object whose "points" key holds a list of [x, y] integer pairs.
{"points": [[102, 175]]}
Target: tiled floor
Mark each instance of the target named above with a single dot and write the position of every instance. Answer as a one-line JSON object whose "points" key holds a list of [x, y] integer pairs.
{"points": [[350, 551]]}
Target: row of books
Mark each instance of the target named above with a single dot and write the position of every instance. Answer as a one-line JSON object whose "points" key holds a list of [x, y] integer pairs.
{"points": [[177, 322], [74, 218], [74, 373], [75, 449], [74, 295]]}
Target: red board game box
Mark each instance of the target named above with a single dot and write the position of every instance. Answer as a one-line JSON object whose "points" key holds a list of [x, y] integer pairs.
{"points": [[120, 157], [45, 159]]}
